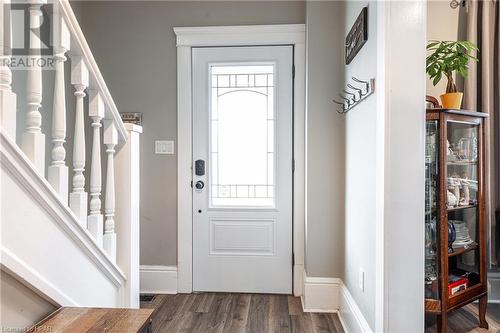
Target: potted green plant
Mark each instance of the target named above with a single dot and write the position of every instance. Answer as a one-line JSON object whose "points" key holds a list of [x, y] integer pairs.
{"points": [[445, 58]]}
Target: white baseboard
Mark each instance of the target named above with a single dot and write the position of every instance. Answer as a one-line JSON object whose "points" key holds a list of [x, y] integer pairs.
{"points": [[158, 279], [494, 288], [350, 315], [321, 294]]}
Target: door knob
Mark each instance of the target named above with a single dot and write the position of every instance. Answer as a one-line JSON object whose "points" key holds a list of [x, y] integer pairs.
{"points": [[200, 185]]}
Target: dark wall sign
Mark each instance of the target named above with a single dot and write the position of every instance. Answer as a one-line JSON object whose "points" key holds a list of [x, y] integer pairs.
{"points": [[357, 37]]}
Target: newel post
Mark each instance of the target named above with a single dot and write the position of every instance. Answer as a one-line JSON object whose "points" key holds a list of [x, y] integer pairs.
{"points": [[127, 213], [109, 238], [7, 97]]}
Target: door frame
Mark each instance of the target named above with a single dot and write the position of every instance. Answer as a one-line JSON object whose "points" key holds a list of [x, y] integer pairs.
{"points": [[254, 35]]}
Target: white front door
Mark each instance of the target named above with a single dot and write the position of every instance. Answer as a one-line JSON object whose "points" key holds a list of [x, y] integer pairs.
{"points": [[242, 169]]}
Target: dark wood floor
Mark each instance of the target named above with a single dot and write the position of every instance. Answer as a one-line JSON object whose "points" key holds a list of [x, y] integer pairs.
{"points": [[465, 320], [255, 313], [235, 313]]}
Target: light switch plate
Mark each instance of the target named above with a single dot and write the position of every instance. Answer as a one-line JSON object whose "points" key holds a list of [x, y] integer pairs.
{"points": [[164, 147]]}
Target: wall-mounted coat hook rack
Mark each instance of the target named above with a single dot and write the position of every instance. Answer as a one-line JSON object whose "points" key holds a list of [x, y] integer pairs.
{"points": [[356, 95]]}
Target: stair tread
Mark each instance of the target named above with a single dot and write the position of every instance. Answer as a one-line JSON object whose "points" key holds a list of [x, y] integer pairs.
{"points": [[75, 319]]}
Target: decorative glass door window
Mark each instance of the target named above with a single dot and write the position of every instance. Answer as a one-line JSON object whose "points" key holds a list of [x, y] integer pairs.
{"points": [[242, 135]]}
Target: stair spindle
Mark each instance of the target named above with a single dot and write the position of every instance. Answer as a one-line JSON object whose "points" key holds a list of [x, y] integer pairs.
{"points": [[7, 97], [78, 197], [95, 219], [110, 140], [33, 141], [57, 173]]}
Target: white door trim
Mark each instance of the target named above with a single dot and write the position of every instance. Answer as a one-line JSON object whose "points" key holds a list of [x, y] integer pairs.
{"points": [[188, 37]]}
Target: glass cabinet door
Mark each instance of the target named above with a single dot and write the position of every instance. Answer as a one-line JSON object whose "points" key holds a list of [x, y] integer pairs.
{"points": [[462, 184], [431, 210]]}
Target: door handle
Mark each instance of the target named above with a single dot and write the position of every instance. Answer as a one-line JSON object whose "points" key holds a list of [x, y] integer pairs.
{"points": [[199, 185]]}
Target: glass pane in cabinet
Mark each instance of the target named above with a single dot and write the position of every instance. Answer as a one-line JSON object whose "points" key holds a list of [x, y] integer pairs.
{"points": [[462, 166], [463, 252], [462, 199], [464, 228], [431, 186]]}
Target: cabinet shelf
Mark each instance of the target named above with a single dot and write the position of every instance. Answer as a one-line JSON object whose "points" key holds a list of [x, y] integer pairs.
{"points": [[453, 209], [461, 250], [470, 292], [461, 162], [432, 306]]}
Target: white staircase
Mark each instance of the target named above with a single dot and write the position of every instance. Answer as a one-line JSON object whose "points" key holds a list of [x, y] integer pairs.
{"points": [[69, 195]]}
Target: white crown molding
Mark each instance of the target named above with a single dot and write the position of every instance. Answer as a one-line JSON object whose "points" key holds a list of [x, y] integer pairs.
{"points": [[24, 173], [241, 35], [158, 279]]}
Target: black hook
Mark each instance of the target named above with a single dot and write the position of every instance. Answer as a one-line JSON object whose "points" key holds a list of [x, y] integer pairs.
{"points": [[354, 88], [354, 96], [348, 100], [355, 79], [358, 80], [341, 104]]}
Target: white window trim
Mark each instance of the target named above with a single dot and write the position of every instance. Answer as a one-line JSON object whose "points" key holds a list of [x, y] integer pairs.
{"points": [[189, 37]]}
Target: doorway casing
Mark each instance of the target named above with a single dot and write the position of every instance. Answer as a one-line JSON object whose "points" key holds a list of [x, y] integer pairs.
{"points": [[254, 35]]}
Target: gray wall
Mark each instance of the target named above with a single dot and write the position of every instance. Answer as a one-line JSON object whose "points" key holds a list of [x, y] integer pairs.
{"points": [[20, 306], [445, 23], [134, 46], [362, 149], [385, 144], [325, 140]]}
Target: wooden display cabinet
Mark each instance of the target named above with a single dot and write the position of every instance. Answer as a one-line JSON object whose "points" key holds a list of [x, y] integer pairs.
{"points": [[455, 225]]}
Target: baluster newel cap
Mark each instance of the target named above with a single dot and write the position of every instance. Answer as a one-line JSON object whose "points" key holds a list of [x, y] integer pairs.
{"points": [[97, 108], [60, 34], [79, 72], [110, 132]]}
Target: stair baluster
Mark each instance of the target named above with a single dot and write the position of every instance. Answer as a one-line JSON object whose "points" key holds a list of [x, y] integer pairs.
{"points": [[78, 216], [78, 197], [95, 219], [33, 141], [7, 97], [110, 140], [57, 173]]}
